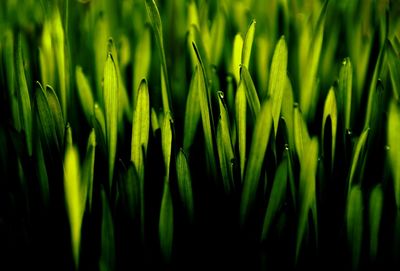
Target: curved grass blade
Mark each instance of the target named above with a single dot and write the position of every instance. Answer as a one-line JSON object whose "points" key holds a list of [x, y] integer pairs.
{"points": [[155, 20], [57, 114], [393, 137], [24, 102], [330, 110], [307, 184], [258, 148], [360, 146], [166, 224], [277, 79], [130, 192], [140, 128], [99, 124], [394, 69], [237, 56], [110, 97], [185, 183], [354, 223], [375, 216], [248, 43], [345, 92], [107, 257], [251, 93], [287, 111], [240, 106], [277, 196], [154, 121], [85, 93], [192, 113], [301, 136], [142, 61], [166, 142], [88, 166]]}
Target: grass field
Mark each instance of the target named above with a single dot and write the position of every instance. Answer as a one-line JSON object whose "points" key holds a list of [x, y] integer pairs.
{"points": [[199, 134]]}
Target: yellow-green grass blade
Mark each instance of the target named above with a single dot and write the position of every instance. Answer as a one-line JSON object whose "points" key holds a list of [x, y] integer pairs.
{"points": [[107, 252], [110, 98], [99, 124], [155, 20], [166, 223], [251, 93], [154, 121], [276, 197], [140, 128], [393, 138], [88, 166], [393, 60], [240, 112], [85, 93], [192, 113], [24, 102], [57, 114], [287, 111], [354, 224], [248, 43], [357, 155], [255, 163], [218, 36], [142, 61], [75, 205], [166, 142], [375, 217], [277, 79], [345, 93], [301, 136], [184, 181], [129, 187], [307, 189], [237, 56], [330, 111]]}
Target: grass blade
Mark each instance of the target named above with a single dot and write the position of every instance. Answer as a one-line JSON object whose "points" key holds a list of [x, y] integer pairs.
{"points": [[393, 137], [110, 97], [301, 136], [277, 79], [258, 148], [88, 166], [394, 69], [354, 223], [241, 107], [166, 224], [237, 56], [248, 43], [141, 62], [185, 183], [140, 128], [345, 93], [251, 93], [287, 111], [330, 110], [166, 142], [218, 37], [84, 92], [360, 146], [375, 216], [58, 119]]}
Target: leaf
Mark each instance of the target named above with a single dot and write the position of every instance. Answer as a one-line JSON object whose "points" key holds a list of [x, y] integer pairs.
{"points": [[192, 113], [85, 93], [218, 37], [237, 56], [131, 193], [57, 114], [24, 102], [155, 20], [301, 136], [393, 61], [307, 184], [166, 224], [99, 124], [107, 256], [375, 217], [240, 111], [276, 197], [393, 138], [74, 204], [251, 93], [110, 97], [345, 92], [256, 158], [166, 142], [330, 110], [141, 61], [277, 79], [354, 223], [248, 43], [287, 111], [140, 128], [88, 166], [184, 183], [356, 156]]}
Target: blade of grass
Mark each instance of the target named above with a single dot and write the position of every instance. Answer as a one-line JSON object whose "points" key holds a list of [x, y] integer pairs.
{"points": [[166, 224], [251, 93], [301, 136], [184, 181], [258, 148], [393, 138], [354, 223], [218, 36], [375, 216], [393, 60], [57, 114], [241, 107], [330, 110], [277, 79], [141, 61], [84, 92], [248, 43], [360, 146], [88, 166], [166, 142], [237, 56], [345, 93]]}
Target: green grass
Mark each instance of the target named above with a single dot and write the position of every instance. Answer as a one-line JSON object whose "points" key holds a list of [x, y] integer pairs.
{"points": [[183, 134]]}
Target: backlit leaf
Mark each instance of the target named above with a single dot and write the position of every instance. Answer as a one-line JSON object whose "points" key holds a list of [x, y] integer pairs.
{"points": [[330, 110], [251, 93], [184, 183], [166, 223], [375, 217], [354, 223]]}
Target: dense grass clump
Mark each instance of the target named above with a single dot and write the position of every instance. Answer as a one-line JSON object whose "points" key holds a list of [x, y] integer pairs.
{"points": [[187, 134]]}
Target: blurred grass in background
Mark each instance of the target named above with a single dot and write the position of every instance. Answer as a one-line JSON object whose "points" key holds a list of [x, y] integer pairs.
{"points": [[183, 134]]}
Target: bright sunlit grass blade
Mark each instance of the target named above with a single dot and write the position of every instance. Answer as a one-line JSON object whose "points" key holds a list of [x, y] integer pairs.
{"points": [[140, 128], [88, 167], [192, 113], [357, 156], [237, 56], [393, 137], [251, 93], [141, 62], [276, 197], [307, 188], [240, 111], [277, 79], [248, 43], [330, 111], [345, 92], [255, 163], [57, 114], [85, 93], [301, 136], [287, 111], [184, 181], [24, 102], [166, 142], [110, 97], [166, 223], [354, 224], [375, 216]]}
